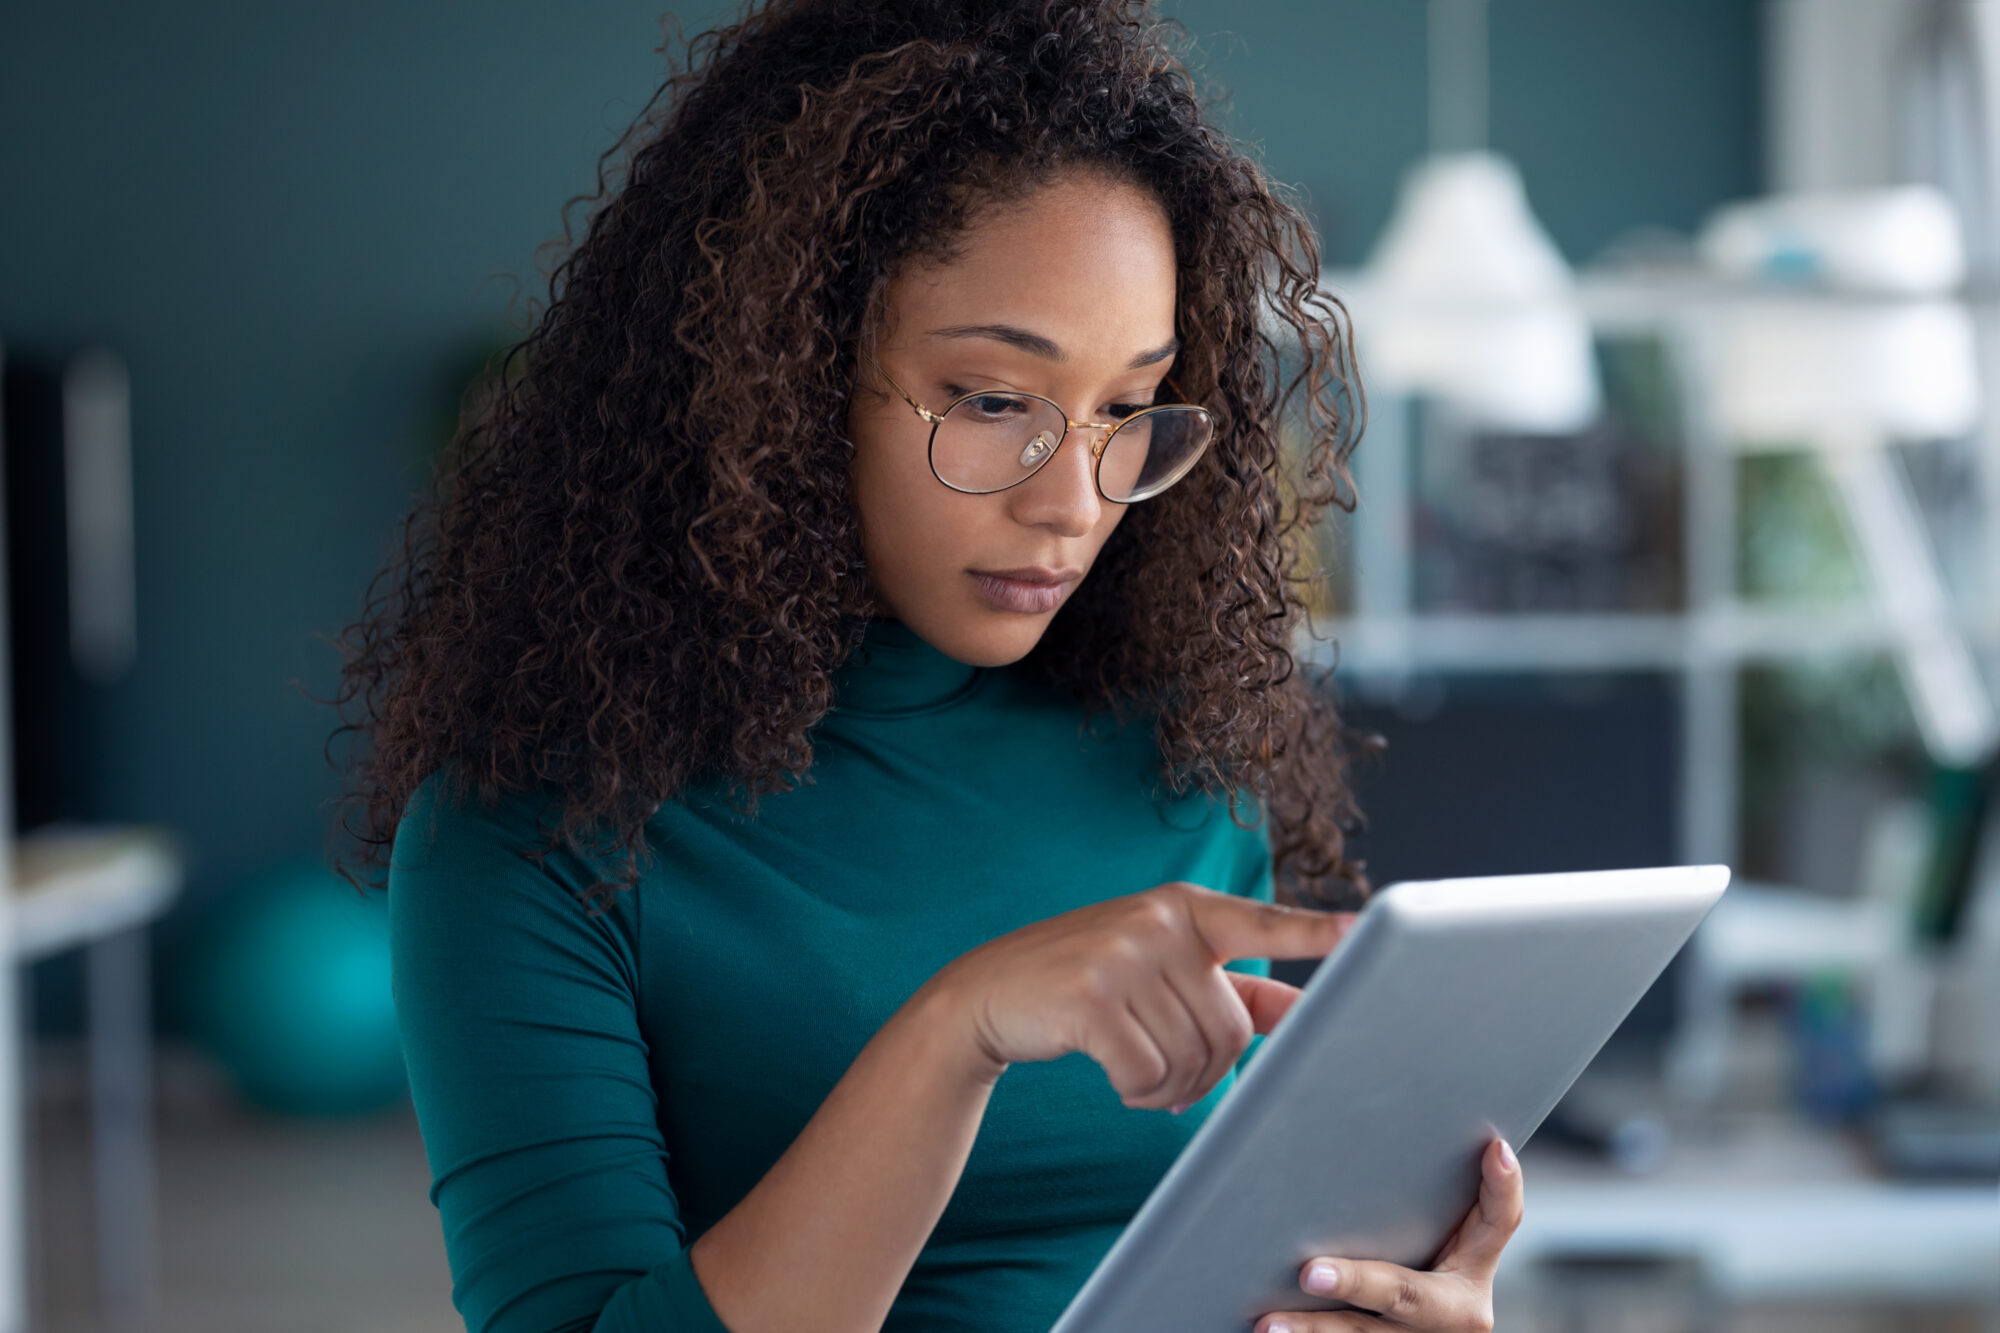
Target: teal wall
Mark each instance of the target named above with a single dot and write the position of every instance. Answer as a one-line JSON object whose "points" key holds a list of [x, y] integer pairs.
{"points": [[1620, 113], [293, 221]]}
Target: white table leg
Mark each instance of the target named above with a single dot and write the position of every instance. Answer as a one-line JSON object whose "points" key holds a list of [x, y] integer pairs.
{"points": [[121, 1125]]}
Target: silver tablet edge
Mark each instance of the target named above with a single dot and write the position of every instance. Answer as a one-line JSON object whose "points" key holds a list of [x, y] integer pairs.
{"points": [[1411, 903]]}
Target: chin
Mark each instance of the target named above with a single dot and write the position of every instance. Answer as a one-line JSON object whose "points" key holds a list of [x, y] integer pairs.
{"points": [[988, 638]]}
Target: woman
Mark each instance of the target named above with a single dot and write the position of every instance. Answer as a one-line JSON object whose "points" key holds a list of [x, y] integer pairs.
{"points": [[862, 616]]}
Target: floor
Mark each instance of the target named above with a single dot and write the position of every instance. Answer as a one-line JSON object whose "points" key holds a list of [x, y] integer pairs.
{"points": [[264, 1224], [325, 1228]]}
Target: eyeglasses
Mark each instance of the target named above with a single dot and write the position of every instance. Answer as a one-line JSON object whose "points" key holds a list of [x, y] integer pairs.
{"points": [[991, 439]]}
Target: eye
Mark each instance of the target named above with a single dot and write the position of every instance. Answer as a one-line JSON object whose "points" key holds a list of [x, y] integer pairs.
{"points": [[986, 406], [1119, 411]]}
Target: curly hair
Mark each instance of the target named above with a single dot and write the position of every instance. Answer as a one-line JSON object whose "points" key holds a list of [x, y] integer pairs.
{"points": [[638, 567]]}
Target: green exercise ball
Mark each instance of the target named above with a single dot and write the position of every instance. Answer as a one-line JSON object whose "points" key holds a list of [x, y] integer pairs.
{"points": [[288, 987]]}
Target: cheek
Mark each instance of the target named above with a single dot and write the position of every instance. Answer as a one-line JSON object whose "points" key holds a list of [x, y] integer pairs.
{"points": [[878, 480], [871, 471], [1113, 515], [909, 521]]}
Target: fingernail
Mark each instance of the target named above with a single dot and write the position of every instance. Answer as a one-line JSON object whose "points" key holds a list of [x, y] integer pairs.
{"points": [[1182, 1107], [1321, 1278], [1277, 1326], [1507, 1155]]}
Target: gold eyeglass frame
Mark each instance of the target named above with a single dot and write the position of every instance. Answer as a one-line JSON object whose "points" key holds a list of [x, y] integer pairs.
{"points": [[1097, 450]]}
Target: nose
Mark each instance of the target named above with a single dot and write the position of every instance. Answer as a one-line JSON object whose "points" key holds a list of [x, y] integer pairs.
{"points": [[1063, 495]]}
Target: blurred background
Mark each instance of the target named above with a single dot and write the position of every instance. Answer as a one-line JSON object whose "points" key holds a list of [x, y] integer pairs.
{"points": [[1679, 541]]}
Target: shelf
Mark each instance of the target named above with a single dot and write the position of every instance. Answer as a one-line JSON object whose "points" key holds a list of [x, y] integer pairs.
{"points": [[73, 884], [1776, 1207], [1597, 641], [1616, 300], [1765, 930], [1760, 1241]]}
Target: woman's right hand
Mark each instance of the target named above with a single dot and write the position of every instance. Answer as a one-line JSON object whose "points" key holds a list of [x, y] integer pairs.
{"points": [[1137, 984]]}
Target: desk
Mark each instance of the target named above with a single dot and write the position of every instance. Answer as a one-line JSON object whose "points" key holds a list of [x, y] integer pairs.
{"points": [[96, 888], [1775, 1209], [1870, 1240]]}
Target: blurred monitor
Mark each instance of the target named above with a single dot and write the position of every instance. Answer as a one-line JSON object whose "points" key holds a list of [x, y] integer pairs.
{"points": [[1515, 774], [65, 435], [70, 579]]}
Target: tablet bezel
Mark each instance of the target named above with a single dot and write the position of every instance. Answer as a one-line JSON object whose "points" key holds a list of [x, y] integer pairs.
{"points": [[1641, 917]]}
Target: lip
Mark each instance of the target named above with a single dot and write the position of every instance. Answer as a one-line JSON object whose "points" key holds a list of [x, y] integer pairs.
{"points": [[1033, 590], [1032, 574]]}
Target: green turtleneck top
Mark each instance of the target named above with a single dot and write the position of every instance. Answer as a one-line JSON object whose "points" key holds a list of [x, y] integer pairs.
{"points": [[594, 1092]]}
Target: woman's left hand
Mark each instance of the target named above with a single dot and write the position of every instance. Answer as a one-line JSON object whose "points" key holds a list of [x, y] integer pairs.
{"points": [[1456, 1296]]}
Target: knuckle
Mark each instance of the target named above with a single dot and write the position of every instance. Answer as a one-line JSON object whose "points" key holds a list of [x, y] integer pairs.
{"points": [[1128, 949], [1505, 1213], [1097, 984], [1273, 918], [1406, 1297], [1482, 1319], [1156, 910], [1238, 1027], [1150, 1070]]}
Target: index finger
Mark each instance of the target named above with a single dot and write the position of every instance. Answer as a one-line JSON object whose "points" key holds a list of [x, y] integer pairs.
{"points": [[1234, 927]]}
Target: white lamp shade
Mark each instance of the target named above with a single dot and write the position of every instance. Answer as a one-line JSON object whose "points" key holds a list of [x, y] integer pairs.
{"points": [[1465, 297]]}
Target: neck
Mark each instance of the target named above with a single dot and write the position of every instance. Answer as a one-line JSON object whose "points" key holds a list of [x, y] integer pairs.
{"points": [[896, 670]]}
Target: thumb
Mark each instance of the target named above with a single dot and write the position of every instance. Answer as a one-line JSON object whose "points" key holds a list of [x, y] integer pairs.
{"points": [[1267, 1000]]}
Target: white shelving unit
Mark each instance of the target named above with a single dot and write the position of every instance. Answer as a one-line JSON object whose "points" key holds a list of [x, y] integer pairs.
{"points": [[1387, 638], [1945, 648], [1835, 1231]]}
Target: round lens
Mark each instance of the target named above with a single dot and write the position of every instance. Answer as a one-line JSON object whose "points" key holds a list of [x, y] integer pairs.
{"points": [[1152, 450], [989, 441]]}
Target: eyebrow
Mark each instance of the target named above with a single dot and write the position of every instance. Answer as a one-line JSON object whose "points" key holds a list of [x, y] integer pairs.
{"points": [[1047, 348]]}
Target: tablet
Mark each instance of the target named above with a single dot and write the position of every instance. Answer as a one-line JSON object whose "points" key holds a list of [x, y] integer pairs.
{"points": [[1452, 1011]]}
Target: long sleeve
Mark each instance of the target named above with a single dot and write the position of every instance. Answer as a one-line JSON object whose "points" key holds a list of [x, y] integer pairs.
{"points": [[529, 1073]]}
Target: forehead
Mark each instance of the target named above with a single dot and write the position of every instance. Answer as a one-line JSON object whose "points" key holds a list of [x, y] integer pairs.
{"points": [[1085, 261]]}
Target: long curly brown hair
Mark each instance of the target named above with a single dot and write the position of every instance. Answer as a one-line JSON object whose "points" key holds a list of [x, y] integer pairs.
{"points": [[638, 566]]}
